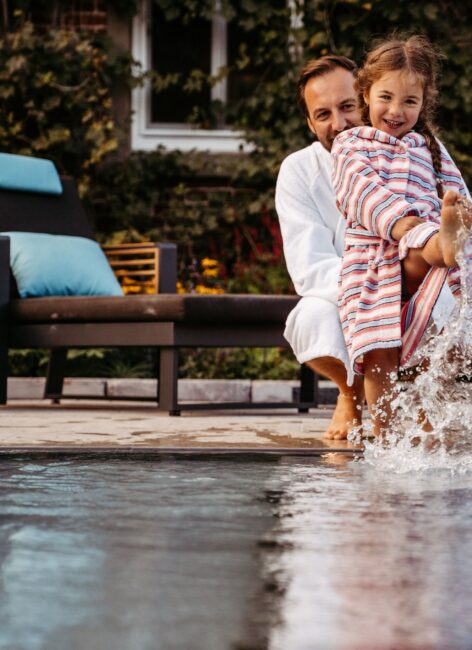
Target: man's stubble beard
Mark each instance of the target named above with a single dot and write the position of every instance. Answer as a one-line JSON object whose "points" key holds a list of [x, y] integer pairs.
{"points": [[331, 140]]}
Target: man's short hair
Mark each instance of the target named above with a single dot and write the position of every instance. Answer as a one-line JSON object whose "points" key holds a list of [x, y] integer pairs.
{"points": [[317, 68]]}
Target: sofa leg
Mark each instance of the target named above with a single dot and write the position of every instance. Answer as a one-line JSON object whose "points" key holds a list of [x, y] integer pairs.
{"points": [[308, 387], [3, 374], [167, 396], [55, 374], [4, 314]]}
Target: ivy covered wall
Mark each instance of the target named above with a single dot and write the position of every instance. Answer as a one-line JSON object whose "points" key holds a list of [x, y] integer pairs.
{"points": [[61, 75], [57, 90], [237, 222]]}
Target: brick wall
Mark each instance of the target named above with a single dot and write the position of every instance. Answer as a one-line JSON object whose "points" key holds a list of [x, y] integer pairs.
{"points": [[84, 14]]}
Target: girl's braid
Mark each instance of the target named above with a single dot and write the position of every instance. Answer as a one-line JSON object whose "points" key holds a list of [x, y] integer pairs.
{"points": [[425, 129]]}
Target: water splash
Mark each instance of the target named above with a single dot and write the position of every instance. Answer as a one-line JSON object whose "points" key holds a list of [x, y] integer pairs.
{"points": [[441, 393]]}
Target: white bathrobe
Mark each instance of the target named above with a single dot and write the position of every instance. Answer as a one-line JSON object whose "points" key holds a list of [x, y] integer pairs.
{"points": [[313, 237]]}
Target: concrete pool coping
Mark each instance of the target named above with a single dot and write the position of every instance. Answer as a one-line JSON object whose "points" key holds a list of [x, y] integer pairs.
{"points": [[135, 428]]}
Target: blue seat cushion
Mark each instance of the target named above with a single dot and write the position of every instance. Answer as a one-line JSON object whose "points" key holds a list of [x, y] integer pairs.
{"points": [[28, 174], [60, 265]]}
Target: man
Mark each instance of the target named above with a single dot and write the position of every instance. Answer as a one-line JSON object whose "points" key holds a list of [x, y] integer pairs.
{"points": [[313, 233]]}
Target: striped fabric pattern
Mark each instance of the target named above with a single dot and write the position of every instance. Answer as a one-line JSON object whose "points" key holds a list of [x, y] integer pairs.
{"points": [[378, 179]]}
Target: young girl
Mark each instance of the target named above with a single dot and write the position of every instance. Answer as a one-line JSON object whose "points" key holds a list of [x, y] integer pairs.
{"points": [[389, 180]]}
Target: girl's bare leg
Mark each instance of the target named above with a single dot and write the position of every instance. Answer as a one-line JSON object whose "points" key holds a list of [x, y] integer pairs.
{"points": [[452, 222], [414, 268], [441, 249], [381, 368]]}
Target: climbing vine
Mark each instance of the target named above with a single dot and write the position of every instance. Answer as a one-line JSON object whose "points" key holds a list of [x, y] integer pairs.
{"points": [[57, 94]]}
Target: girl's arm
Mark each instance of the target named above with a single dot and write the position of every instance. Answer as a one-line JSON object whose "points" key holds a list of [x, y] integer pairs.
{"points": [[403, 225], [362, 197]]}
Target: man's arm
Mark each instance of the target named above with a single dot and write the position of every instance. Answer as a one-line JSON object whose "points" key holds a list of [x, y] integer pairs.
{"points": [[312, 260]]}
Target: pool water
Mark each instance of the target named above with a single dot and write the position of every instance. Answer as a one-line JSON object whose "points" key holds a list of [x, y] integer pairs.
{"points": [[287, 553]]}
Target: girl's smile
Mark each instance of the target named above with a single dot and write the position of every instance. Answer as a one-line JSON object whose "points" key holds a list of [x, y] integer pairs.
{"points": [[395, 101]]}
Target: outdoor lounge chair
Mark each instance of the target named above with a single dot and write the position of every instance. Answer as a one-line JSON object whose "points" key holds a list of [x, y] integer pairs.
{"points": [[166, 321]]}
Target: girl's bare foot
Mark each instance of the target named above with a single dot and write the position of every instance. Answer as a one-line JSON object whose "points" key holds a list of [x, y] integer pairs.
{"points": [[346, 416], [453, 221]]}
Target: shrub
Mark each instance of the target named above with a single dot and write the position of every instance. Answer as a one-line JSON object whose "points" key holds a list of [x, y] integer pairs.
{"points": [[56, 97], [56, 101]]}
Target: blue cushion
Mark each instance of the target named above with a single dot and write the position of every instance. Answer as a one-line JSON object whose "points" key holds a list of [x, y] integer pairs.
{"points": [[28, 174], [60, 265]]}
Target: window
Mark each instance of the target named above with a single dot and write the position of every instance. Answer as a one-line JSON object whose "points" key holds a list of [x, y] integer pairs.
{"points": [[176, 48]]}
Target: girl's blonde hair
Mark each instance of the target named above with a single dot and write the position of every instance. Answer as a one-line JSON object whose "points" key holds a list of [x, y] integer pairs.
{"points": [[416, 55]]}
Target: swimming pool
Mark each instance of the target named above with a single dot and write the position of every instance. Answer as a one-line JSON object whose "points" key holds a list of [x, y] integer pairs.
{"points": [[240, 553]]}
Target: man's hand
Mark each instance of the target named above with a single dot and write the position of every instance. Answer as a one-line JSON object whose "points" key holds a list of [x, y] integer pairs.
{"points": [[403, 225]]}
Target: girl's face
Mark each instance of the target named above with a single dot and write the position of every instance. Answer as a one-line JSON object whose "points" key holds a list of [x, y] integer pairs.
{"points": [[395, 101]]}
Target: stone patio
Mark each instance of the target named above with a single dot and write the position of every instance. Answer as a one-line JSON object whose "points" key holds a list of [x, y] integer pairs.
{"points": [[75, 425], [30, 423]]}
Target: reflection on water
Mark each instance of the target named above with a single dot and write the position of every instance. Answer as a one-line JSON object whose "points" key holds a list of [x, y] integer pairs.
{"points": [[128, 555], [205, 554], [375, 562]]}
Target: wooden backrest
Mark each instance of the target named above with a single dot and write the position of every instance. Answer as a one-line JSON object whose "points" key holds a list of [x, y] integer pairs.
{"points": [[135, 265], [45, 213]]}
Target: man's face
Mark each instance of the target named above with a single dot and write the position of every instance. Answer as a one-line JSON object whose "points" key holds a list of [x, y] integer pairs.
{"points": [[332, 105]]}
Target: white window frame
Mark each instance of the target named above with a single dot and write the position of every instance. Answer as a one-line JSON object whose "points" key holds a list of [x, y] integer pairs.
{"points": [[146, 136]]}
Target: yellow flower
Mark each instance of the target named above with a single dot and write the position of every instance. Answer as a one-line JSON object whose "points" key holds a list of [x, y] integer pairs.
{"points": [[129, 289], [210, 273], [180, 288], [201, 289], [207, 262]]}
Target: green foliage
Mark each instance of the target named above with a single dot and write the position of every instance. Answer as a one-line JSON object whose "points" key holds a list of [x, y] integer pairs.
{"points": [[166, 196], [56, 97], [255, 363], [56, 87], [134, 363], [27, 363], [273, 44], [158, 196], [56, 100], [33, 363], [351, 27]]}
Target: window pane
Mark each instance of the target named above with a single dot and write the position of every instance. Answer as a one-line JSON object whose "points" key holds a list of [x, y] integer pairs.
{"points": [[179, 48]]}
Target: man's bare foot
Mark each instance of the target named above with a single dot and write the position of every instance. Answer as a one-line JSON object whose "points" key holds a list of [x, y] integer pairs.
{"points": [[453, 221], [346, 416]]}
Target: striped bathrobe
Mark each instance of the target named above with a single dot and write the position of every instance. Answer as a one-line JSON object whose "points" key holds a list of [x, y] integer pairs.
{"points": [[378, 179]]}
